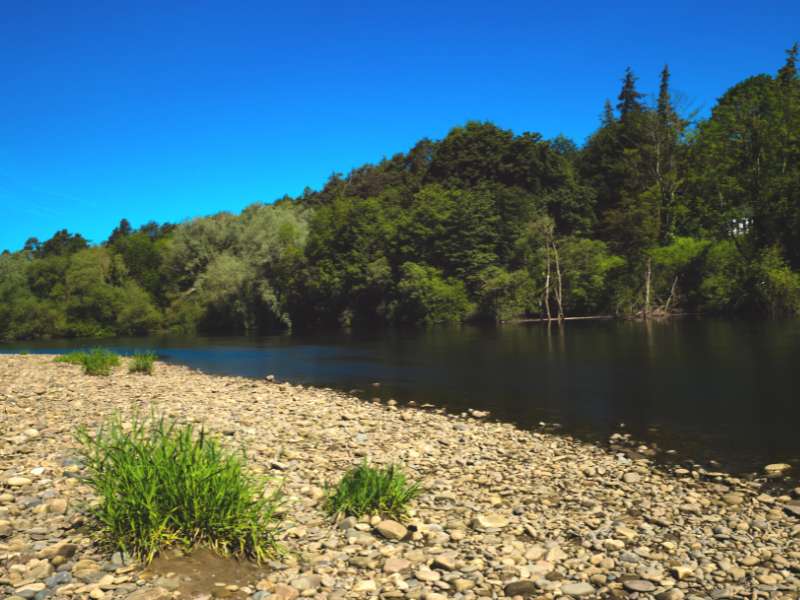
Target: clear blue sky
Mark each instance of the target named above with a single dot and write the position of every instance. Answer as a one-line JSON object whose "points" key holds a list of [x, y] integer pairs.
{"points": [[168, 110]]}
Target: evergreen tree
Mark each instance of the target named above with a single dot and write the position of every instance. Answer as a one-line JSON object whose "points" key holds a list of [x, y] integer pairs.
{"points": [[788, 73], [630, 99]]}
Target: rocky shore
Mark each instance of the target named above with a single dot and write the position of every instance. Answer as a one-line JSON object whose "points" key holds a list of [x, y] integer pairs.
{"points": [[505, 512]]}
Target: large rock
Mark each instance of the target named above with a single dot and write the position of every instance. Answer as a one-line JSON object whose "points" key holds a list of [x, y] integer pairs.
{"points": [[391, 530]]}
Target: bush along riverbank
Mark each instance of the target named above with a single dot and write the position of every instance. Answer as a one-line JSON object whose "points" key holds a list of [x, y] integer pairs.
{"points": [[498, 511]]}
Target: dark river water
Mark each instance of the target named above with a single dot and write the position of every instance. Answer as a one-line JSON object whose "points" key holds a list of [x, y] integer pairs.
{"points": [[710, 389]]}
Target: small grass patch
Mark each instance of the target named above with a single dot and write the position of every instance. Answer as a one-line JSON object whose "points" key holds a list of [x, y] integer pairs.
{"points": [[369, 490], [97, 361], [142, 362], [161, 483]]}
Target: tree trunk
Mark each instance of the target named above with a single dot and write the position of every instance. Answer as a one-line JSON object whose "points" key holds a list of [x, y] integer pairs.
{"points": [[547, 286], [559, 288], [671, 294], [647, 278]]}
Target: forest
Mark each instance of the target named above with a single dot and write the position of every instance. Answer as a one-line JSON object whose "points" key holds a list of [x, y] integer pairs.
{"points": [[657, 213]]}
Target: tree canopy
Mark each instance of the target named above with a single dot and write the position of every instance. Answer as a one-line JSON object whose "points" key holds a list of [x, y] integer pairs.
{"points": [[657, 211]]}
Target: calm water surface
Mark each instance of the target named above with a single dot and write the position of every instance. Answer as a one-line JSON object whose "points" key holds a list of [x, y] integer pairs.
{"points": [[722, 390]]}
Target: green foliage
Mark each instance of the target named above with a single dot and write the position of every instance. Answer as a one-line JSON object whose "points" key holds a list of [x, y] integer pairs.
{"points": [[588, 272], [367, 490], [482, 224], [142, 362], [424, 296], [160, 483], [97, 361], [504, 296]]}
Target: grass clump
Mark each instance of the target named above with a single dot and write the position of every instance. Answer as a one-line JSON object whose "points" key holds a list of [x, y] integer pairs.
{"points": [[160, 483], [97, 361], [368, 490], [142, 362]]}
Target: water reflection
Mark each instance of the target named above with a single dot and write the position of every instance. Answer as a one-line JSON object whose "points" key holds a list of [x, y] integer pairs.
{"points": [[724, 389]]}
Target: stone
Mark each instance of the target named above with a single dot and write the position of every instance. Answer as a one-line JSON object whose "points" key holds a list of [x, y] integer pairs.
{"points": [[682, 572], [60, 549], [366, 585], [396, 565], [520, 588], [670, 594], [57, 506], [30, 590], [391, 530], [18, 481], [777, 468], [577, 589], [427, 575], [97, 594], [155, 593], [638, 585], [733, 499], [626, 532], [631, 477], [307, 582], [555, 554], [462, 585], [5, 527], [489, 521], [284, 592], [446, 562]]}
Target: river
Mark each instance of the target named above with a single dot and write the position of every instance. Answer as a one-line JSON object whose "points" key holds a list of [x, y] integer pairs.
{"points": [[713, 390]]}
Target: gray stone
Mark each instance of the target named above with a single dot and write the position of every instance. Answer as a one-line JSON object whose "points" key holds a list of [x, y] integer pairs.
{"points": [[639, 585], [520, 588]]}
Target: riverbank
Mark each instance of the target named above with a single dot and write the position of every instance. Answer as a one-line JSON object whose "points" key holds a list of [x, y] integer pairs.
{"points": [[505, 511]]}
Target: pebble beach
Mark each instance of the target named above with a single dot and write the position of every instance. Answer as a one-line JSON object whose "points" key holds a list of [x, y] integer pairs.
{"points": [[505, 512]]}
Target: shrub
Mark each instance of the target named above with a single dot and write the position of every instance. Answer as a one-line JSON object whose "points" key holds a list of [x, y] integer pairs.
{"points": [[367, 490], [161, 483], [97, 361], [142, 362]]}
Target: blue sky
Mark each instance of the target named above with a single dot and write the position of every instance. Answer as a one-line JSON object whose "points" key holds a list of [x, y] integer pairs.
{"points": [[169, 110]]}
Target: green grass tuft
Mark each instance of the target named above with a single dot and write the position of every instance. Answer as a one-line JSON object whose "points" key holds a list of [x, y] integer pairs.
{"points": [[161, 483], [142, 362], [97, 361], [369, 490]]}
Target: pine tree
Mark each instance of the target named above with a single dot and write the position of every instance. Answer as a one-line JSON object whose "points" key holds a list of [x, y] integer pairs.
{"points": [[608, 114], [788, 72], [630, 99], [664, 107]]}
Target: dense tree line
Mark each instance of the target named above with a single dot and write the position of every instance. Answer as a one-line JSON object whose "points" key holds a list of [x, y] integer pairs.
{"points": [[654, 213]]}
